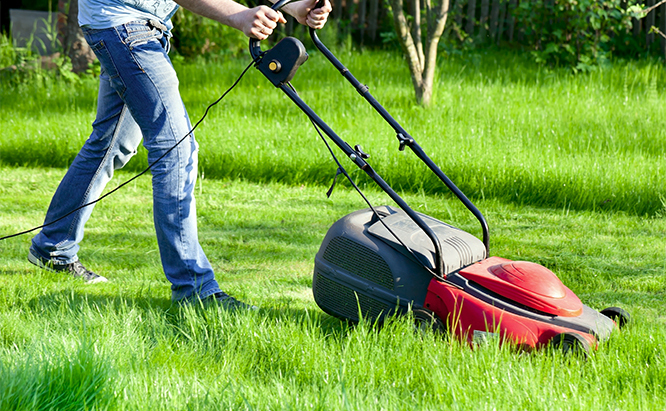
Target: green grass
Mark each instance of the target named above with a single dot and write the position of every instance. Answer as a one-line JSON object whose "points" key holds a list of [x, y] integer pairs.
{"points": [[500, 127], [567, 169], [122, 345]]}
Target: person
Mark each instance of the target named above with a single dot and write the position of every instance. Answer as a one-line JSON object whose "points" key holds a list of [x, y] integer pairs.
{"points": [[139, 99]]}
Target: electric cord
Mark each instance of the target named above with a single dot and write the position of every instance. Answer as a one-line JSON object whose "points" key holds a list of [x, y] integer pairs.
{"points": [[189, 133], [340, 170]]}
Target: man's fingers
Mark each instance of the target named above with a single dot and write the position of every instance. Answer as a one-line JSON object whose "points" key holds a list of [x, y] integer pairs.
{"points": [[280, 17], [317, 17], [265, 21], [270, 14], [315, 24], [325, 9]]}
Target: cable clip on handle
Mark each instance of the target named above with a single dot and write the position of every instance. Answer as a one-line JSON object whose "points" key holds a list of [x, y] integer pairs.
{"points": [[404, 141]]}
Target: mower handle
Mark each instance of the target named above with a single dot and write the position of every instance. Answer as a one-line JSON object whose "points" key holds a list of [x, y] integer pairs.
{"points": [[404, 138], [255, 49]]}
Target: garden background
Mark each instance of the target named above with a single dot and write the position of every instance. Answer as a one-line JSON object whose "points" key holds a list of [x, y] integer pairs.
{"points": [[558, 136]]}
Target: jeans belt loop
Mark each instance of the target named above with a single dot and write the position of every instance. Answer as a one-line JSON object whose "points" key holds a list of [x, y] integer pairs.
{"points": [[156, 24]]}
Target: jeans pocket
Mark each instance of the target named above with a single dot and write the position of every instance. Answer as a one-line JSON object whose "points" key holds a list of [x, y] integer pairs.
{"points": [[108, 65], [140, 34]]}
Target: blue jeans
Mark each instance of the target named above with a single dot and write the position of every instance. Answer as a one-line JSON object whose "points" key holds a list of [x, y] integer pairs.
{"points": [[138, 97]]}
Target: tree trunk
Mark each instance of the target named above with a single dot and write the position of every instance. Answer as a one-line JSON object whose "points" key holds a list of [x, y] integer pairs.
{"points": [[502, 21], [636, 27], [662, 28], [416, 28], [74, 44], [494, 17], [372, 19], [407, 43], [337, 10], [649, 23], [352, 12], [362, 6], [483, 22], [421, 65], [289, 27], [459, 13], [471, 18], [512, 20]]}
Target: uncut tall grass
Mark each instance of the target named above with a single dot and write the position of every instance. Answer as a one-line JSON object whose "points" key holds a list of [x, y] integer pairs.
{"points": [[122, 345], [500, 127], [566, 169]]}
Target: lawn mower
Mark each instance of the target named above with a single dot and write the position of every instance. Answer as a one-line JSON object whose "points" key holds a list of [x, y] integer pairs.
{"points": [[384, 261]]}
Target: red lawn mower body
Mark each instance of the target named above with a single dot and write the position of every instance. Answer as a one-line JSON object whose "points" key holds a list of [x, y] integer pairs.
{"points": [[382, 261], [361, 270], [527, 284]]}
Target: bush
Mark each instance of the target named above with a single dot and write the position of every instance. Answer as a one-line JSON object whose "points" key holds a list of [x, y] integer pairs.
{"points": [[577, 33], [21, 65], [195, 35]]}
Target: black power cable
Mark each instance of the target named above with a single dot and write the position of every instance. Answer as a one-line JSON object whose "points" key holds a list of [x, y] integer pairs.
{"points": [[149, 166]]}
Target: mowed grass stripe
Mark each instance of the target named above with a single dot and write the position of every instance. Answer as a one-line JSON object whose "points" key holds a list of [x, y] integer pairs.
{"points": [[122, 345], [500, 127]]}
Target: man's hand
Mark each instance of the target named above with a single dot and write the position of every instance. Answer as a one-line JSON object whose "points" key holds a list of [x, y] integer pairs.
{"points": [[305, 13], [260, 22]]}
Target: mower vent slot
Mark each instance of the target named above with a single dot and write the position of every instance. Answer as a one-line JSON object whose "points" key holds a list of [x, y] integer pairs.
{"points": [[359, 260], [344, 302]]}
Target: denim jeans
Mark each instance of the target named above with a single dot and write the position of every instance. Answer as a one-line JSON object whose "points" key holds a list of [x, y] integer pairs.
{"points": [[138, 97]]}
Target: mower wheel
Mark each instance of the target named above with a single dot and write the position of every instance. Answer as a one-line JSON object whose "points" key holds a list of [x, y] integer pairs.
{"points": [[617, 314], [425, 319], [571, 344]]}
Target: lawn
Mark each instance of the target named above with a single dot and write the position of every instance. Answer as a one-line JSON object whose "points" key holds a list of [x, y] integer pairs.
{"points": [[122, 345], [500, 127], [539, 151]]}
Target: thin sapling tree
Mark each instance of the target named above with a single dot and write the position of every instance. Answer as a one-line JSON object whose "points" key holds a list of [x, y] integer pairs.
{"points": [[411, 21]]}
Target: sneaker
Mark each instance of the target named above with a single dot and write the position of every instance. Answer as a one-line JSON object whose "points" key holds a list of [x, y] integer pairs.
{"points": [[228, 302], [76, 269]]}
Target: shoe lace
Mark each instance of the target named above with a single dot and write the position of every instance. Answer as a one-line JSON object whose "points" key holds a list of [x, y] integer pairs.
{"points": [[79, 270]]}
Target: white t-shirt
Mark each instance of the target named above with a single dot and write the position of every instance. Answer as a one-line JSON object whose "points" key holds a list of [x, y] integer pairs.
{"points": [[103, 14]]}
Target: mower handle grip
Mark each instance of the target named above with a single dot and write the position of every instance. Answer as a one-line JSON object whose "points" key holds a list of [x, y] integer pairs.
{"points": [[255, 49]]}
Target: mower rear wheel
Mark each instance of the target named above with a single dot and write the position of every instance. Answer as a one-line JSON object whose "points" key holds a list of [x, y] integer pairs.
{"points": [[571, 344], [617, 314], [425, 319]]}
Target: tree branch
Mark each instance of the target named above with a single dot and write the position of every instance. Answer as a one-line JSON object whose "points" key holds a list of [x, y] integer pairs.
{"points": [[416, 30], [407, 43], [422, 59]]}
